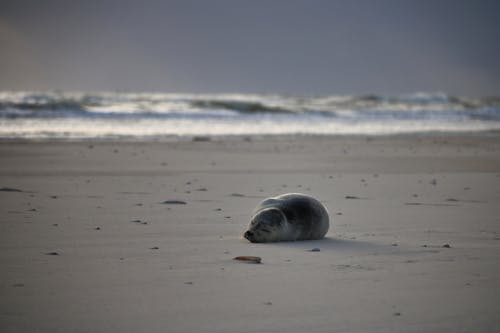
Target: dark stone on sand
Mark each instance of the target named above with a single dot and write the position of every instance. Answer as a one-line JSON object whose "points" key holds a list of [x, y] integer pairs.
{"points": [[154, 248], [174, 202], [97, 228], [352, 197], [249, 259], [52, 253], [452, 200], [316, 249], [447, 246], [10, 189]]}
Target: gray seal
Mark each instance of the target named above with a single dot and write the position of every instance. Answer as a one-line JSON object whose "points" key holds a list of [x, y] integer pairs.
{"points": [[288, 217]]}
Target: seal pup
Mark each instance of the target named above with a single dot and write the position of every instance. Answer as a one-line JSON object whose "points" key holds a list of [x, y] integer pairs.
{"points": [[288, 217]]}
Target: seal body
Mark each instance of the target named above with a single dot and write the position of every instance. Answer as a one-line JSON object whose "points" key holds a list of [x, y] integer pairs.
{"points": [[288, 217]]}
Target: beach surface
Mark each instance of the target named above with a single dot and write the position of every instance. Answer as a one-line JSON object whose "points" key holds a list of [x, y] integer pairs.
{"points": [[141, 236]]}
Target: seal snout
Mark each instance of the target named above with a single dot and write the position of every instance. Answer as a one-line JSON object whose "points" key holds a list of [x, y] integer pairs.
{"points": [[249, 235]]}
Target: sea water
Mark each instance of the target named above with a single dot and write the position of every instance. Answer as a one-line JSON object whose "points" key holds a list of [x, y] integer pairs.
{"points": [[157, 116]]}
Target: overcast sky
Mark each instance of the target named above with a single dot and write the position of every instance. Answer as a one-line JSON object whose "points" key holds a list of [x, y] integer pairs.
{"points": [[252, 46]]}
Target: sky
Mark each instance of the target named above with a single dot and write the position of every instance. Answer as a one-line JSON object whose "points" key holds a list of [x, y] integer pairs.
{"points": [[310, 47]]}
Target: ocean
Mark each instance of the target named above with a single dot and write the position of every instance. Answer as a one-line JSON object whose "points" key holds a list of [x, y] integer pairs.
{"points": [[168, 116]]}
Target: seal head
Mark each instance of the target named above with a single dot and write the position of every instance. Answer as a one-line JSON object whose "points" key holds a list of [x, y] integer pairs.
{"points": [[266, 226]]}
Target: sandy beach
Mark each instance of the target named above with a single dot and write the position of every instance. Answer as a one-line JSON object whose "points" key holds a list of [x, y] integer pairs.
{"points": [[88, 243]]}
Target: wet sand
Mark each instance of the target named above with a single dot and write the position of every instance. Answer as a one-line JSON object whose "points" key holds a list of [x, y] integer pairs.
{"points": [[140, 237]]}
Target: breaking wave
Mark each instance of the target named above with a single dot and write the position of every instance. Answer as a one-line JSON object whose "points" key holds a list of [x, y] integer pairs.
{"points": [[101, 115]]}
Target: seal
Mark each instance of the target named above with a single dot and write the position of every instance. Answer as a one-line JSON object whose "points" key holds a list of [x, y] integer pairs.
{"points": [[288, 217]]}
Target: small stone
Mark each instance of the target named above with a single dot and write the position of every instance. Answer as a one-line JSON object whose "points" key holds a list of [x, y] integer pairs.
{"points": [[154, 248], [447, 246], [316, 249], [249, 259], [9, 189], [397, 314], [52, 253], [174, 202]]}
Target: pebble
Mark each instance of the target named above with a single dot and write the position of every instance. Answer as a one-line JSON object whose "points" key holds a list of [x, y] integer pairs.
{"points": [[249, 259], [174, 202]]}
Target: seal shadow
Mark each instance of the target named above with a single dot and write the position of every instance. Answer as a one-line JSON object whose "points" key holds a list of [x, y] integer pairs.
{"points": [[331, 244]]}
